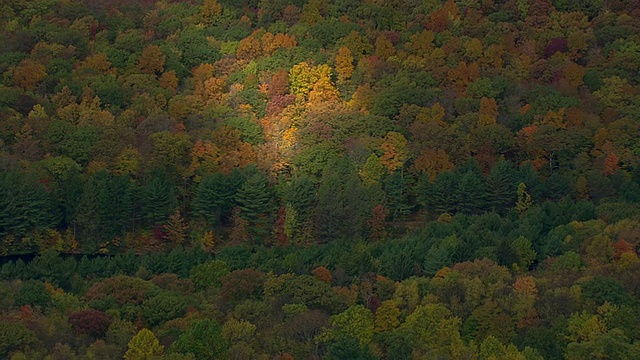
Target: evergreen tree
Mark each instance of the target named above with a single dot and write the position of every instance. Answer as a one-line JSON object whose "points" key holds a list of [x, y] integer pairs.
{"points": [[301, 195], [158, 197], [470, 196], [213, 198], [342, 208], [119, 205], [396, 199], [501, 186], [25, 204], [256, 202], [440, 195]]}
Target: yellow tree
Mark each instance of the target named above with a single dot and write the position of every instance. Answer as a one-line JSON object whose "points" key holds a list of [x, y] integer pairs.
{"points": [[99, 63], [488, 112], [344, 64], [384, 47], [210, 10], [144, 346], [304, 77]]}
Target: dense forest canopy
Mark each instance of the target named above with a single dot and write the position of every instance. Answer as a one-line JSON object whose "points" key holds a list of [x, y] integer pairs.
{"points": [[314, 179]]}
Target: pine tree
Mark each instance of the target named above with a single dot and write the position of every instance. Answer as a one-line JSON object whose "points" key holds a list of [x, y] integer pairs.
{"points": [[256, 203], [301, 195], [501, 186], [396, 196], [213, 198], [158, 198], [440, 195]]}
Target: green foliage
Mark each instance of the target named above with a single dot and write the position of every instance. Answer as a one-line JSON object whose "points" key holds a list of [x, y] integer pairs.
{"points": [[256, 202], [203, 339], [213, 198], [158, 197], [34, 293], [15, 336], [208, 274]]}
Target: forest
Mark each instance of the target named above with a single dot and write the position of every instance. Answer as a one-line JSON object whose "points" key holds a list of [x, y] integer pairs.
{"points": [[319, 179]]}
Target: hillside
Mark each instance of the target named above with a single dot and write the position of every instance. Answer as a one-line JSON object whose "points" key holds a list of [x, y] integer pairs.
{"points": [[319, 179]]}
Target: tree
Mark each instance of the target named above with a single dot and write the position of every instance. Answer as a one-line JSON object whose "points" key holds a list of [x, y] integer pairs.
{"points": [[524, 254], [176, 228], [203, 339], [387, 317], [213, 198], [158, 198], [433, 332], [344, 64], [396, 189], [524, 200], [433, 162], [15, 336], [372, 170], [151, 60], [470, 196], [488, 111], [501, 186], [209, 274], [394, 147], [25, 204], [210, 11], [356, 322], [91, 322], [163, 307], [348, 347], [343, 206], [144, 346], [29, 74], [256, 203], [378, 223]]}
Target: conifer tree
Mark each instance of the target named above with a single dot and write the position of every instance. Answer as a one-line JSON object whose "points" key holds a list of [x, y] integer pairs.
{"points": [[256, 203]]}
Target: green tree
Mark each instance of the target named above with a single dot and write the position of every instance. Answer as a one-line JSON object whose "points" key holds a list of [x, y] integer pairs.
{"points": [[163, 307], [195, 48], [343, 205], [15, 336], [203, 339], [433, 332], [256, 202], [501, 186], [348, 347], [356, 322], [158, 198], [208, 274], [213, 198], [301, 195], [397, 197], [470, 196], [25, 204], [524, 255]]}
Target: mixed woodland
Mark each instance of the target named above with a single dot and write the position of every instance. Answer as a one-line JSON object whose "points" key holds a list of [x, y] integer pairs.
{"points": [[321, 179]]}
